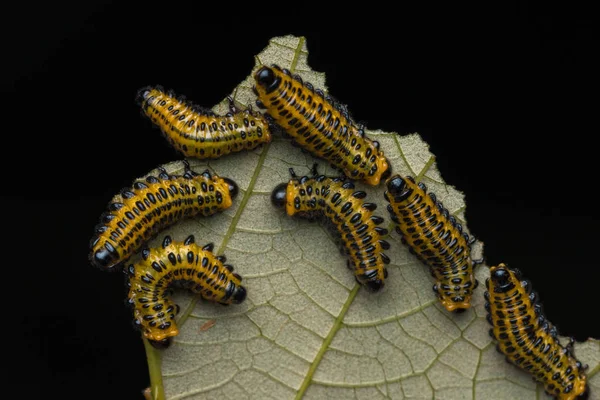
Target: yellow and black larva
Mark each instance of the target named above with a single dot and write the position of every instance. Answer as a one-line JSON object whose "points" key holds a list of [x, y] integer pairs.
{"points": [[177, 264], [336, 199], [435, 238], [200, 133], [527, 339], [319, 124], [140, 212]]}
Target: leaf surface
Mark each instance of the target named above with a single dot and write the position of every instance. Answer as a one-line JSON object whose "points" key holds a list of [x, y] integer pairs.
{"points": [[307, 329]]}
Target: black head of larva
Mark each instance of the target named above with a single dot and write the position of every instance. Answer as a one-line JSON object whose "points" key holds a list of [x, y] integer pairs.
{"points": [[106, 257], [278, 195], [160, 344], [266, 77], [232, 186], [239, 295], [501, 278], [142, 95], [396, 186], [374, 285]]}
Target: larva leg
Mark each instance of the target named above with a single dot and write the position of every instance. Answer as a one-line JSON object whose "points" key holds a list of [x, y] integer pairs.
{"points": [[350, 267], [313, 170], [232, 108], [569, 346]]}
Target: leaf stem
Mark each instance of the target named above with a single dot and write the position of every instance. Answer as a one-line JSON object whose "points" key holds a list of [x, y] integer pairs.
{"points": [[153, 356], [336, 327], [182, 317], [297, 52], [425, 168], [157, 390]]}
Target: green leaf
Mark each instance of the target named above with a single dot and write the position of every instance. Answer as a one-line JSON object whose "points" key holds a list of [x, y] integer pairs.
{"points": [[307, 330]]}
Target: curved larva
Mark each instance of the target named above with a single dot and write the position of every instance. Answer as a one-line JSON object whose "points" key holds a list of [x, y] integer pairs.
{"points": [[527, 339], [200, 133], [435, 238], [177, 264], [140, 212], [353, 218], [319, 125]]}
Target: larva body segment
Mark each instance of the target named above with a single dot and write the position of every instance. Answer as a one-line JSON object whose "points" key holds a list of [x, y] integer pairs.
{"points": [[319, 125], [182, 265], [343, 206], [527, 339], [435, 238], [138, 213], [200, 133]]}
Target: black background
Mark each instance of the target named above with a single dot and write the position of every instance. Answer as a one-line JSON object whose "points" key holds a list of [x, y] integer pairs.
{"points": [[504, 98]]}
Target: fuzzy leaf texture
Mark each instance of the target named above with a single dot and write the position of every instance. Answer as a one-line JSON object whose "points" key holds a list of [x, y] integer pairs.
{"points": [[307, 329]]}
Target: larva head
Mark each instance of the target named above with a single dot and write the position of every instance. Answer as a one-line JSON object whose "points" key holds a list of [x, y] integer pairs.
{"points": [[144, 94], [104, 255], [239, 295], [502, 279], [398, 188], [278, 196], [232, 187], [375, 285], [235, 293], [374, 279], [283, 196], [267, 79], [148, 97]]}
